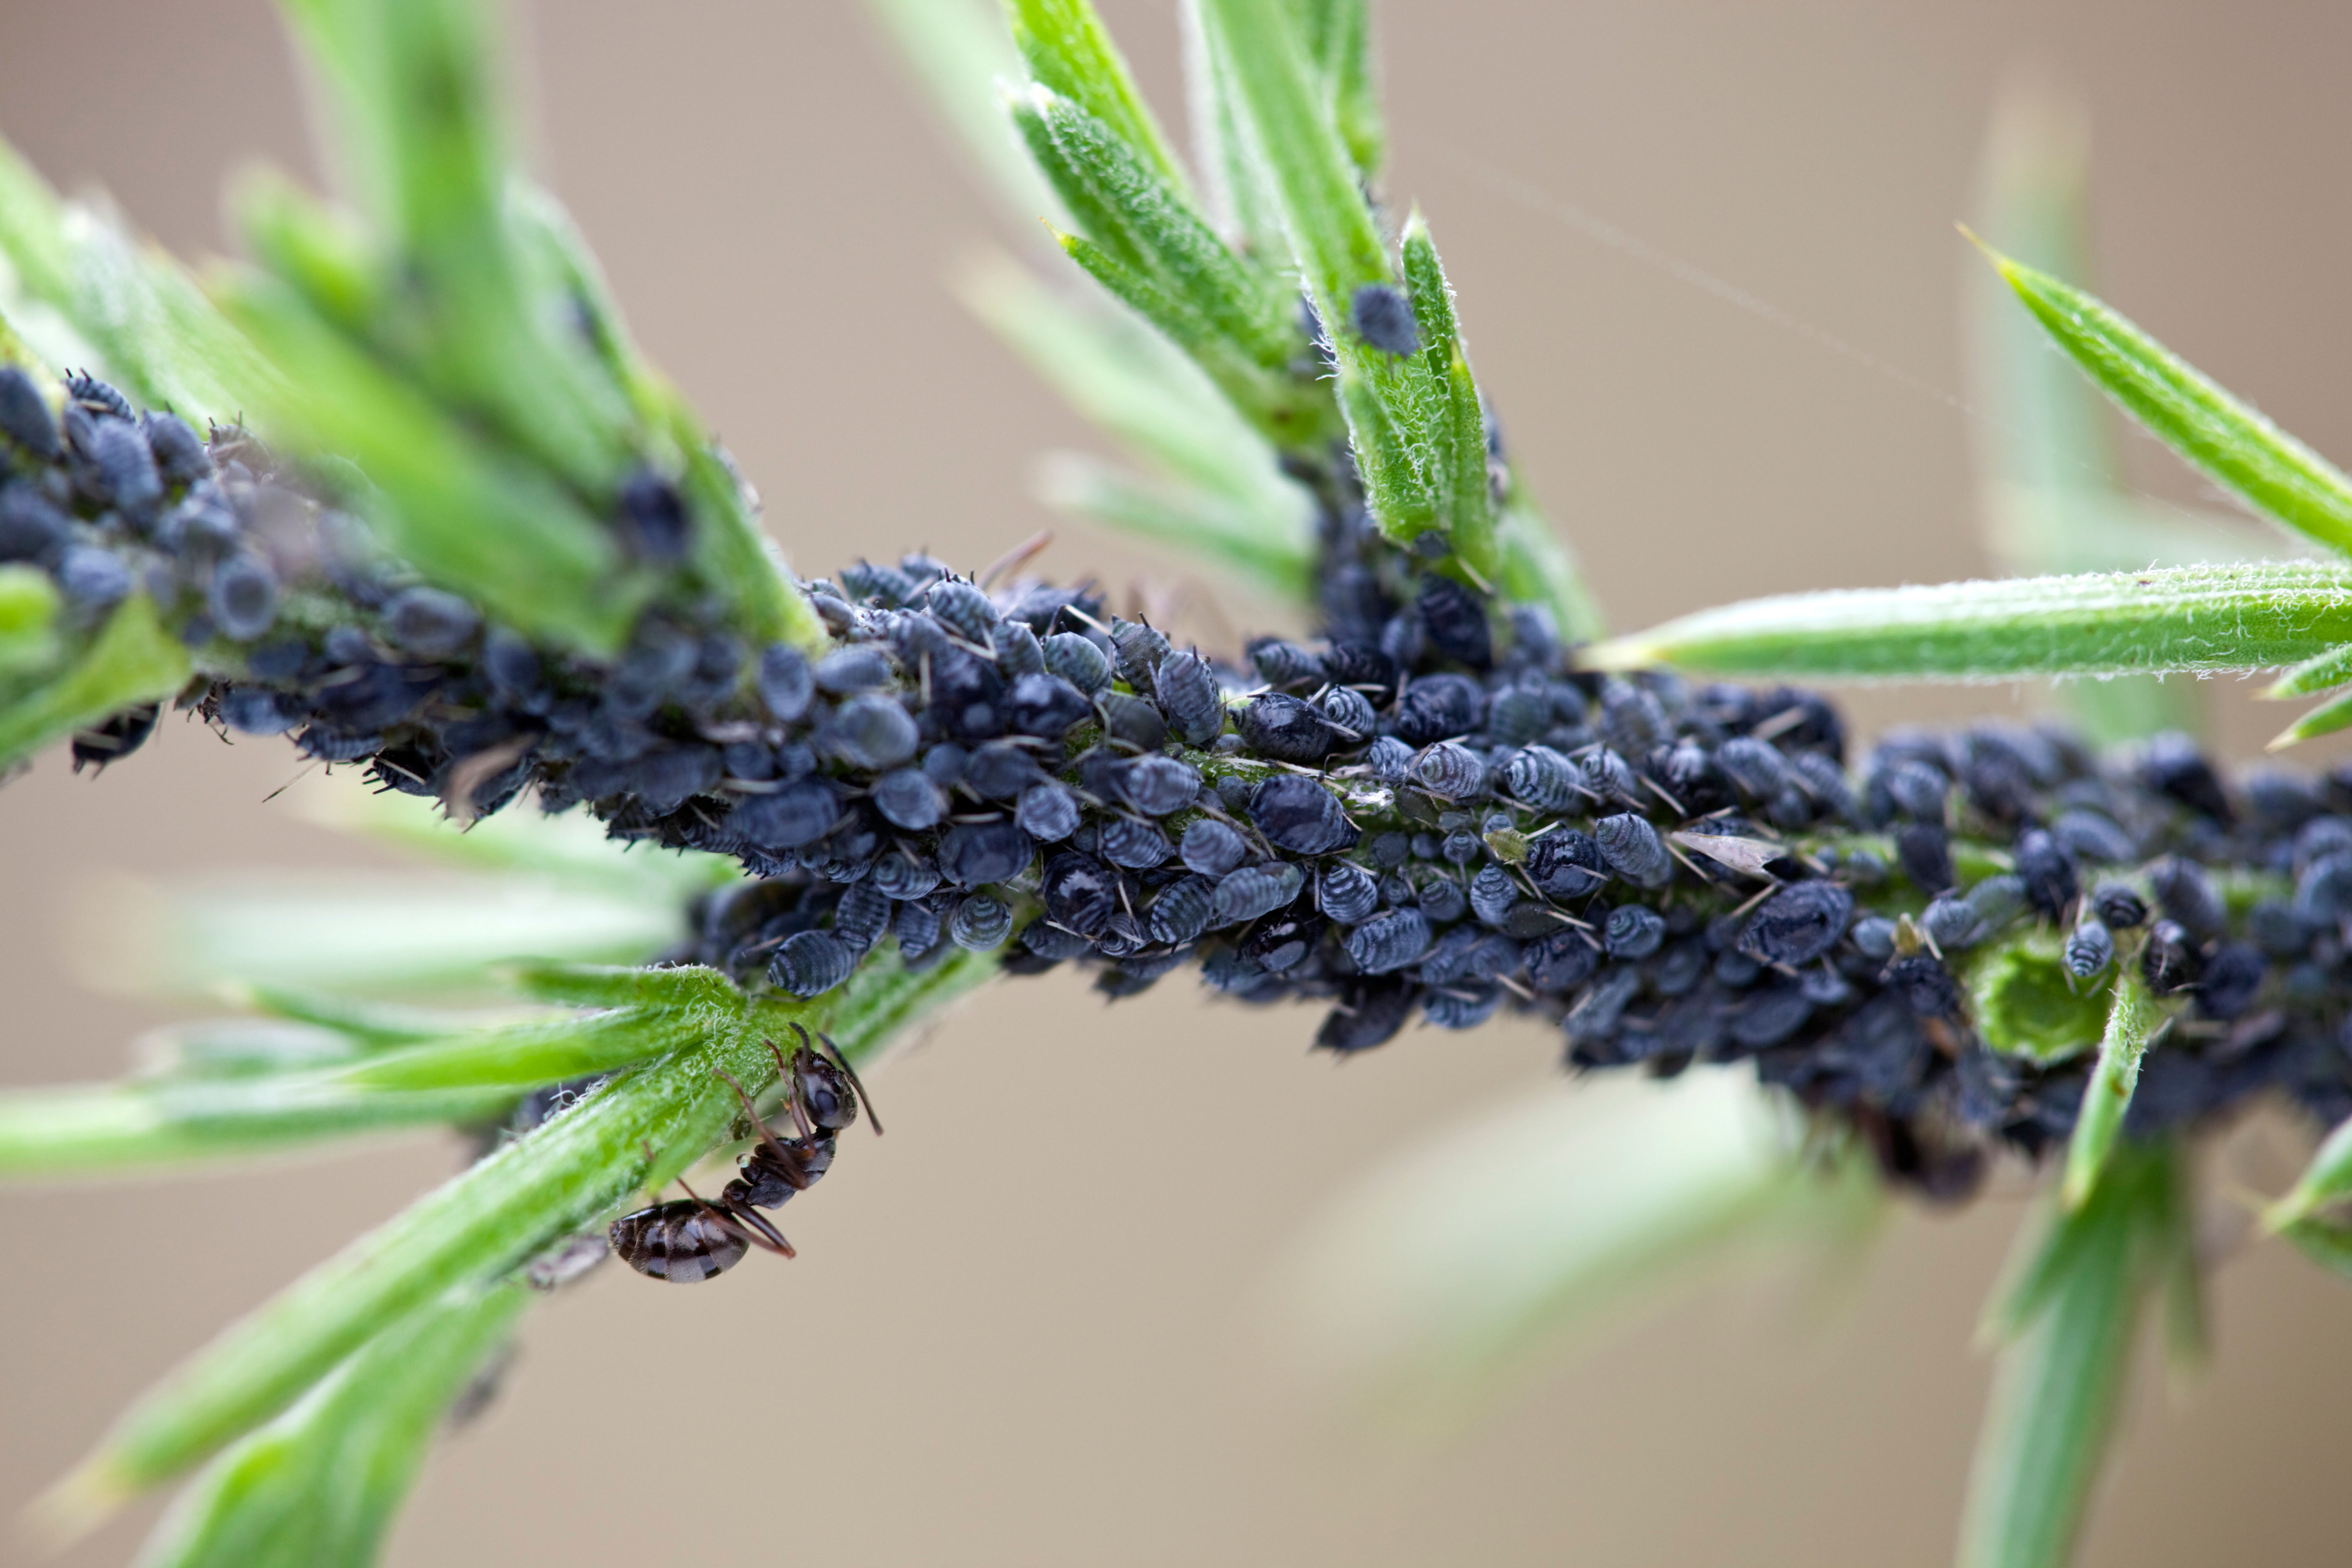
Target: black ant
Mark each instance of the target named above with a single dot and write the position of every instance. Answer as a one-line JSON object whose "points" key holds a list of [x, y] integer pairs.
{"points": [[689, 1239]]}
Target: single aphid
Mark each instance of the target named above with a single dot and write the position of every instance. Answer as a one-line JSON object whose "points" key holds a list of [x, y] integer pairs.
{"points": [[1297, 813], [2090, 949], [1254, 891], [1383, 318]]}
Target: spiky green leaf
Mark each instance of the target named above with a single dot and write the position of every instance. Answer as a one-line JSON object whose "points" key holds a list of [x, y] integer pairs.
{"points": [[2180, 619], [318, 1486], [2130, 1018], [2278, 475]]}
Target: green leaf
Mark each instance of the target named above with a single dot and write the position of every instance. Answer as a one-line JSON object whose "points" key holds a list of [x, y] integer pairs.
{"points": [[2109, 1093], [2061, 1380], [683, 987], [1289, 131], [1288, 127], [2024, 1002], [368, 1024], [2326, 1180], [2327, 1243], [527, 1055], [1162, 407], [1339, 38], [470, 517], [960, 51], [2178, 619], [1451, 416], [1194, 523], [318, 1486], [2324, 720], [1541, 568], [132, 660], [1069, 50], [380, 932], [2323, 673], [425, 148], [2237, 446], [29, 617], [102, 1130]]}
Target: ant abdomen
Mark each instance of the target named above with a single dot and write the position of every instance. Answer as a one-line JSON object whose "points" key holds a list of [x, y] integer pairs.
{"points": [[682, 1241]]}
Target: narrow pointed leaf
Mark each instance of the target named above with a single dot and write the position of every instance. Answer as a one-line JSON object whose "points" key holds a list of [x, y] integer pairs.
{"points": [[318, 1486], [2109, 1094], [2326, 1180], [960, 52], [677, 988], [2323, 673], [1068, 49], [2061, 1380], [471, 518], [2181, 620], [368, 1024], [1267, 553], [2277, 475], [1339, 38], [97, 1130], [2324, 720], [525, 1055], [2323, 1242]]}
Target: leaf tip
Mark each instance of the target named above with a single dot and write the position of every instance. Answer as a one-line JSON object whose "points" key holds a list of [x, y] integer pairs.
{"points": [[84, 1499], [1619, 653]]}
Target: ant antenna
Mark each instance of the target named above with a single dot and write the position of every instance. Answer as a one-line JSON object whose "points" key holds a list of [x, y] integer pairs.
{"points": [[851, 1073]]}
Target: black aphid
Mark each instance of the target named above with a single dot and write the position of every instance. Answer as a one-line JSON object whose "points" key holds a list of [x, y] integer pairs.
{"points": [[1383, 318]]}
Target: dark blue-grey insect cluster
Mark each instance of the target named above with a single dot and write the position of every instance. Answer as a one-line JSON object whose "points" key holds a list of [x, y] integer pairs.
{"points": [[1425, 812]]}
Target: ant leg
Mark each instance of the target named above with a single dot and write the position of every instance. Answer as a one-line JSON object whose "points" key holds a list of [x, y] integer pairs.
{"points": [[767, 1135], [792, 1088], [865, 1099], [767, 1237]]}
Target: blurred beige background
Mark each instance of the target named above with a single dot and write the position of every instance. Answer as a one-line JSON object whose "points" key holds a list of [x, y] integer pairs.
{"points": [[1021, 1329]]}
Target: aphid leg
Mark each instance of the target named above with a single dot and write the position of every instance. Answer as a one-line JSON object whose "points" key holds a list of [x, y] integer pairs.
{"points": [[849, 1073]]}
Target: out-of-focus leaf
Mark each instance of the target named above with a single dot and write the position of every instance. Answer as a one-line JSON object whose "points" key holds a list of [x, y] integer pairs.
{"points": [[1541, 568], [2324, 720], [570, 846], [101, 1130], [1188, 520], [2326, 1180], [367, 1026], [2180, 619], [2109, 1093], [523, 1056], [426, 150], [473, 519], [962, 54], [28, 617], [2278, 475], [317, 1488], [1339, 38], [2062, 1374], [366, 932], [133, 659], [1458, 1261]]}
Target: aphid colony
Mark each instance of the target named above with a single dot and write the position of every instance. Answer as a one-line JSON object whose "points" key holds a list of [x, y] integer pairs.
{"points": [[1427, 812]]}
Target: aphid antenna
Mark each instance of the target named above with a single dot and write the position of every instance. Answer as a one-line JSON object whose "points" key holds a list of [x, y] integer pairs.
{"points": [[1659, 790], [1780, 723]]}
